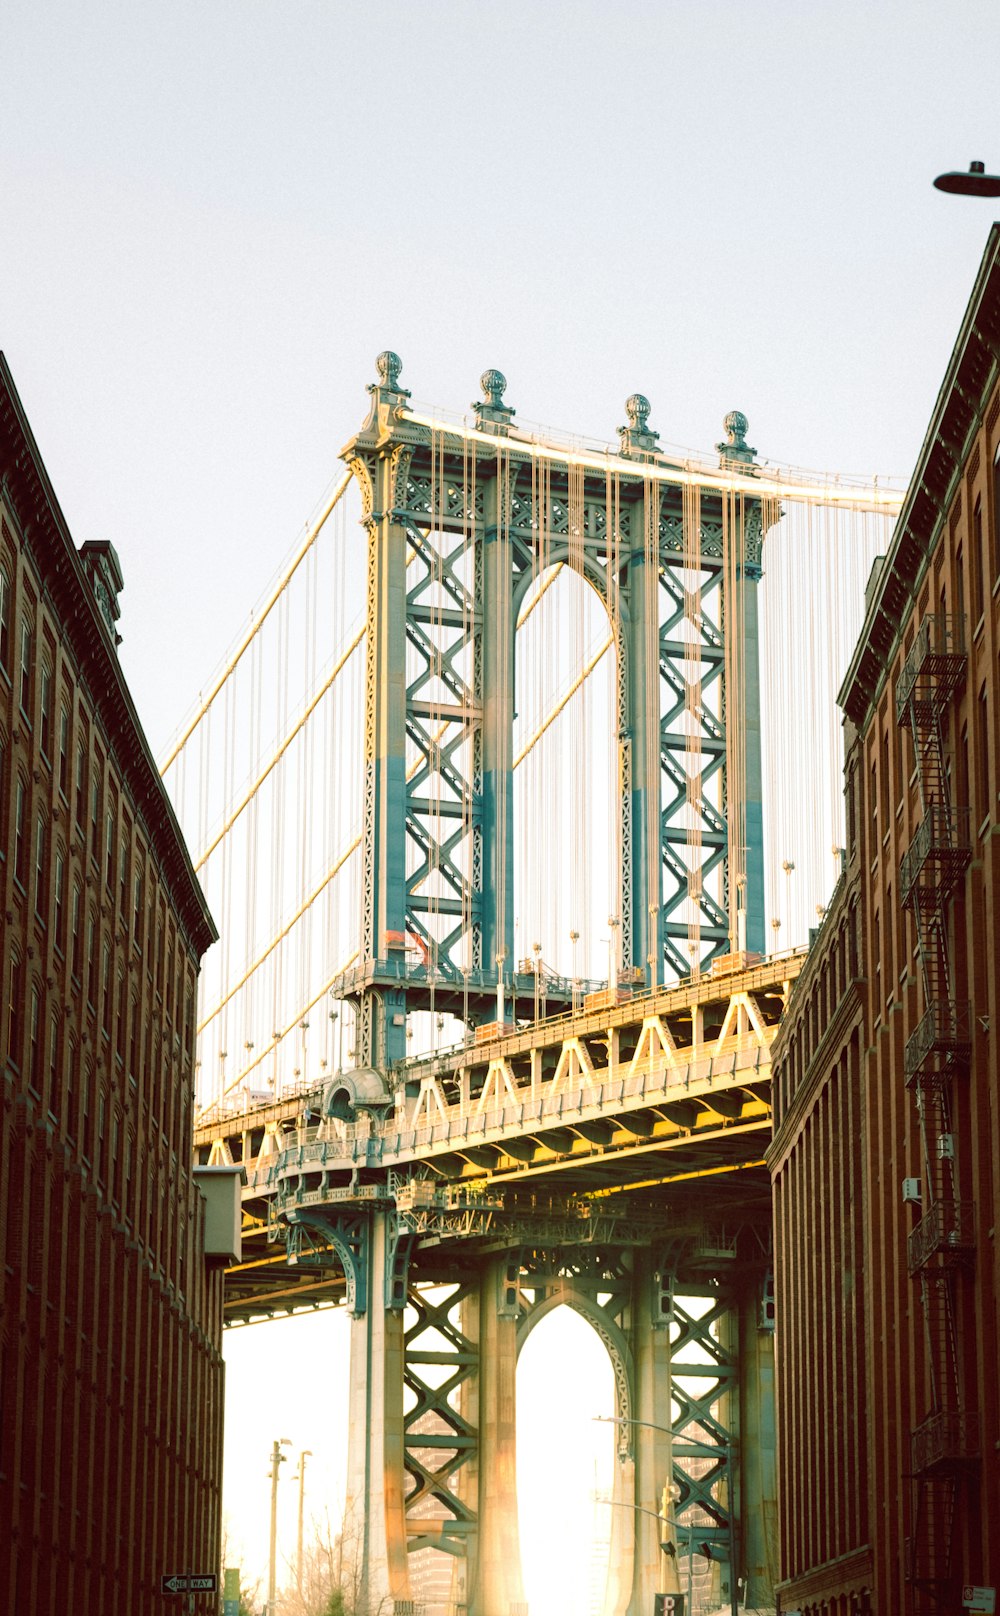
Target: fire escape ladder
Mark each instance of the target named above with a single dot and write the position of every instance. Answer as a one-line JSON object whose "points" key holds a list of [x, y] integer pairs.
{"points": [[937, 1052]]}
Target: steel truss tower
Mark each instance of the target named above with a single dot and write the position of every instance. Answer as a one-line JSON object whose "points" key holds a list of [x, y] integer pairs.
{"points": [[456, 520]]}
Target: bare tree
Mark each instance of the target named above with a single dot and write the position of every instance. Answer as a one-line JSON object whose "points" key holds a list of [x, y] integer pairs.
{"points": [[330, 1580]]}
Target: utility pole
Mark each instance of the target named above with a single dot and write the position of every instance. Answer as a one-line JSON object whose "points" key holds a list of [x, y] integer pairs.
{"points": [[277, 1458], [303, 1456]]}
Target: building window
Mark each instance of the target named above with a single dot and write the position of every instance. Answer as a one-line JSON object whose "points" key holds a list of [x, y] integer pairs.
{"points": [[978, 595], [45, 714], [5, 620], [120, 1030], [75, 922], [14, 1011], [99, 1153], [64, 749], [983, 804], [995, 530], [25, 676], [91, 963], [137, 909], [959, 587], [81, 785], [133, 1050], [123, 875], [55, 1097], [59, 897], [3, 797], [34, 1050], [95, 821], [68, 1117], [106, 989], [109, 845], [40, 868], [20, 833]]}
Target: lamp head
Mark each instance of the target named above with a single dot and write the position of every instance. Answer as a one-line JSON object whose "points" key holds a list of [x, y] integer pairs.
{"points": [[975, 183]]}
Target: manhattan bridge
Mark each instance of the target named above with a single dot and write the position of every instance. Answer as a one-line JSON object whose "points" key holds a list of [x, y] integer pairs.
{"points": [[515, 803]]}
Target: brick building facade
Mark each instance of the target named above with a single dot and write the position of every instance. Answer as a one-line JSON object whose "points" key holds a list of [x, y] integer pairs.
{"points": [[111, 1377], [886, 1157]]}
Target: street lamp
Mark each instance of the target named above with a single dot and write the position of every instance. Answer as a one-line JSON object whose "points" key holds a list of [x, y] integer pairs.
{"points": [[692, 1450], [301, 1478], [975, 183], [277, 1458]]}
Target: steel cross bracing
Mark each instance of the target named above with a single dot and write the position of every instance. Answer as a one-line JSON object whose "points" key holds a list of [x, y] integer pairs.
{"points": [[458, 528]]}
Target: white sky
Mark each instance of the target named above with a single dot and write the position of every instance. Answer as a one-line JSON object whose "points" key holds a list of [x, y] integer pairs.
{"points": [[214, 215]]}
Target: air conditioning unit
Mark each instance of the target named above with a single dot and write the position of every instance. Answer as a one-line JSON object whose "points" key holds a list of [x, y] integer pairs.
{"points": [[911, 1191], [946, 1147]]}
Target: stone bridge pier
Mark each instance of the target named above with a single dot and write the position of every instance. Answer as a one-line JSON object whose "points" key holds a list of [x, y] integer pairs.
{"points": [[433, 1401]]}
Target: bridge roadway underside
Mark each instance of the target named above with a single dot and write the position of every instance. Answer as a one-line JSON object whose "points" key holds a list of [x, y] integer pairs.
{"points": [[610, 1160]]}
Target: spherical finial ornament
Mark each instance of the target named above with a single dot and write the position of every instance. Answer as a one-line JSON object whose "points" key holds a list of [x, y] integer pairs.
{"points": [[389, 365], [493, 384], [637, 408], [735, 427]]}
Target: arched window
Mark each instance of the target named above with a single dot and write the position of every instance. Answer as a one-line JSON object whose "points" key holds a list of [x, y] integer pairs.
{"points": [[20, 832], [69, 1120], [35, 1073], [120, 1030], [134, 1041], [4, 754], [123, 875], [5, 620], [24, 681], [64, 749], [15, 1010], [91, 961], [81, 784], [76, 930], [106, 989], [55, 1076], [109, 845], [59, 901], [40, 868], [45, 711]]}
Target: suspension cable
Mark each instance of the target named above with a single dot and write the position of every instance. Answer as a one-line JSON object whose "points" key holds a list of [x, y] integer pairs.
{"points": [[258, 623]]}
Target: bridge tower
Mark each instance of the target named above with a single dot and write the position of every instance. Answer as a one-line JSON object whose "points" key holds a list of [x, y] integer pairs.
{"points": [[457, 519]]}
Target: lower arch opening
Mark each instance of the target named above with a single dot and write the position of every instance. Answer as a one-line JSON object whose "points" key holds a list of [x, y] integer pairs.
{"points": [[565, 1465]]}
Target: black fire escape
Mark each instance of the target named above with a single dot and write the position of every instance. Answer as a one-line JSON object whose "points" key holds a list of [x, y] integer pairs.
{"points": [[941, 1246]]}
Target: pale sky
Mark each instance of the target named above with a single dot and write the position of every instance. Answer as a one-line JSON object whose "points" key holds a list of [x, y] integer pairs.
{"points": [[215, 215]]}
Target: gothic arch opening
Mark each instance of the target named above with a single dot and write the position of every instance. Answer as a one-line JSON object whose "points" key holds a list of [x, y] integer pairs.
{"points": [[566, 781], [565, 1463]]}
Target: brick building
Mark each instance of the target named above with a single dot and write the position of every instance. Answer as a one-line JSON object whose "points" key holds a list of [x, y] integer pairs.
{"points": [[111, 1377], [885, 1161]]}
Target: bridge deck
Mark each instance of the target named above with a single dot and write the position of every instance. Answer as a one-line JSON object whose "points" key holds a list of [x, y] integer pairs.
{"points": [[654, 1108]]}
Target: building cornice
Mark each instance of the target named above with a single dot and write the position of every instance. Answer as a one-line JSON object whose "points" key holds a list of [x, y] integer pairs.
{"points": [[27, 489], [968, 380]]}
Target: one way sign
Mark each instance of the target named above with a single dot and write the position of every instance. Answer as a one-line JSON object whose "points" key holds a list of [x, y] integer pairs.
{"points": [[188, 1584]]}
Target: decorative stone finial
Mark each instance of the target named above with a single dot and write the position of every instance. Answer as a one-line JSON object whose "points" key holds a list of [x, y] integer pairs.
{"points": [[637, 408], [494, 385], [735, 447], [637, 441], [389, 365], [492, 414]]}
